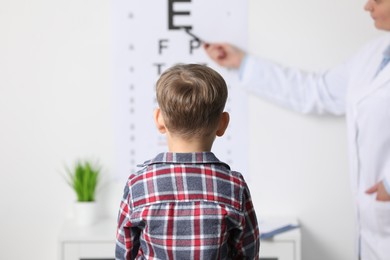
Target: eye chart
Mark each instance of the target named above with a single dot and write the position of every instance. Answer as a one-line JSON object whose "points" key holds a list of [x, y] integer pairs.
{"points": [[149, 37]]}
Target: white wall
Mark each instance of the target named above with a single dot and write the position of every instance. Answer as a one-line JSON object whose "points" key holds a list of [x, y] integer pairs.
{"points": [[55, 106]]}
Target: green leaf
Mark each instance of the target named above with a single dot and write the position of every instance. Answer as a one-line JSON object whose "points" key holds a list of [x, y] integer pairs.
{"points": [[84, 179]]}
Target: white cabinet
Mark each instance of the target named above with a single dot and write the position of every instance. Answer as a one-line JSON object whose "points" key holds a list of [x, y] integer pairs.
{"points": [[95, 242], [284, 246]]}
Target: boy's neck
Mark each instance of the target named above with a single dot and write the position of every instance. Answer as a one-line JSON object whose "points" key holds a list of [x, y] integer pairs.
{"points": [[181, 145]]}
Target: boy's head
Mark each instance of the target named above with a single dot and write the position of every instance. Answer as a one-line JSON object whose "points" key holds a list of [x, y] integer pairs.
{"points": [[192, 98]]}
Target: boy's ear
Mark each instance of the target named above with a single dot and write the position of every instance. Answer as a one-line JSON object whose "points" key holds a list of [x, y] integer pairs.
{"points": [[223, 124], [159, 121]]}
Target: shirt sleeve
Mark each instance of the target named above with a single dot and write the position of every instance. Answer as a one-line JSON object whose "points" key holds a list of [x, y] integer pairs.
{"points": [[127, 237], [305, 92], [247, 241]]}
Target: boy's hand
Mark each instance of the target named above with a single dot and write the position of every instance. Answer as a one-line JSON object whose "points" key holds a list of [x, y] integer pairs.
{"points": [[380, 190]]}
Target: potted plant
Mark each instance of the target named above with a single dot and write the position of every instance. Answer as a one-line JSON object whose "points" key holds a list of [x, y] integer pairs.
{"points": [[84, 178]]}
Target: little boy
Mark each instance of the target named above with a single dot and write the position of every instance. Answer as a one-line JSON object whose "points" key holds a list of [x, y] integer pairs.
{"points": [[185, 203]]}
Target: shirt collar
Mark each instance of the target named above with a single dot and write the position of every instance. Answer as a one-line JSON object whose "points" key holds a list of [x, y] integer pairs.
{"points": [[186, 158]]}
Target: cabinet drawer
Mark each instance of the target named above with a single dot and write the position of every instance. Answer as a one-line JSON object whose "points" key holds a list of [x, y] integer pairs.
{"points": [[277, 250], [88, 251]]}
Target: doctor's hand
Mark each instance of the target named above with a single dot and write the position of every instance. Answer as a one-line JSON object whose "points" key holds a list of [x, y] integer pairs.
{"points": [[380, 190], [224, 54]]}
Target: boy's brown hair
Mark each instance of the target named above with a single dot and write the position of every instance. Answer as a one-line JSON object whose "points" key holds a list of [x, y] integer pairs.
{"points": [[192, 98]]}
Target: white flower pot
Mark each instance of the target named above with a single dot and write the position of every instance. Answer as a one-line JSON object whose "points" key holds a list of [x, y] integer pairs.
{"points": [[86, 213]]}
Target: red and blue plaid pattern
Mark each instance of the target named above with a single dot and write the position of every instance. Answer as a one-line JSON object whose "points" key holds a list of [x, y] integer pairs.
{"points": [[187, 206]]}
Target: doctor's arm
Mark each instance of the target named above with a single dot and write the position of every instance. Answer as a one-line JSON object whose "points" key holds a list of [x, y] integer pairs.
{"points": [[304, 92]]}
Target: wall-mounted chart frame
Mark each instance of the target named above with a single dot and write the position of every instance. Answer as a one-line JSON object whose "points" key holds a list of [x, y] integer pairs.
{"points": [[149, 37]]}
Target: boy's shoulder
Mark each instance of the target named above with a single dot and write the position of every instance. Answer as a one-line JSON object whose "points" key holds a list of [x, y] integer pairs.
{"points": [[204, 160], [192, 175]]}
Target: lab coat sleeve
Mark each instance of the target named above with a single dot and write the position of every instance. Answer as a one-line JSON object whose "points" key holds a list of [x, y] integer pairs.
{"points": [[387, 185], [317, 93]]}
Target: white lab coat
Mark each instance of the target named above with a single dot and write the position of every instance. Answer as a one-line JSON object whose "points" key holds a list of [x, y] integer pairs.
{"points": [[350, 89]]}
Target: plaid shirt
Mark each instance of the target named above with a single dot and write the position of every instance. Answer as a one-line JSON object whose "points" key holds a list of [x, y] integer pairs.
{"points": [[187, 206]]}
